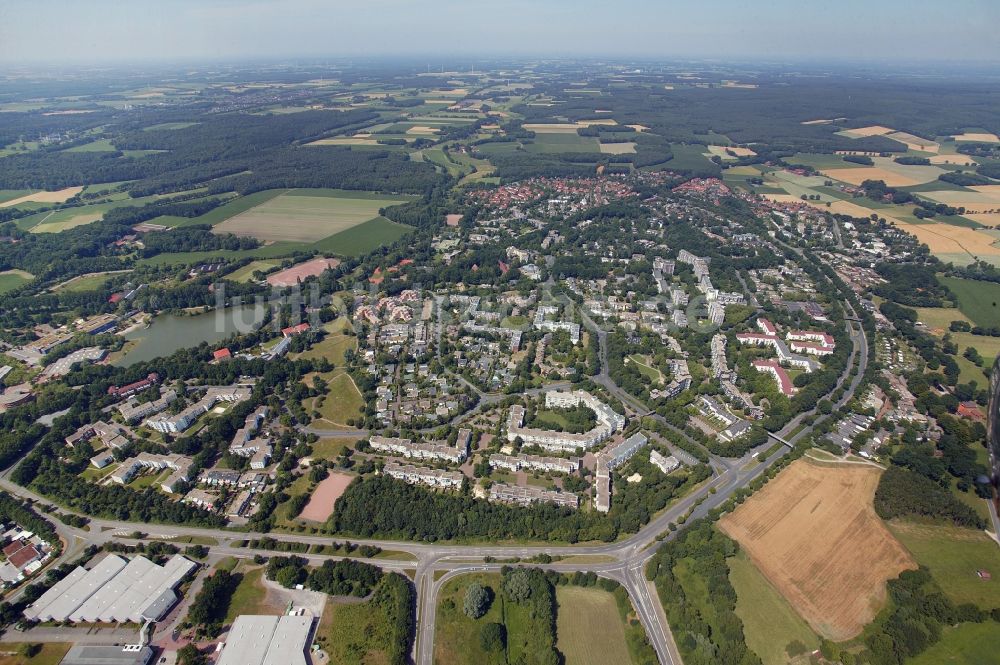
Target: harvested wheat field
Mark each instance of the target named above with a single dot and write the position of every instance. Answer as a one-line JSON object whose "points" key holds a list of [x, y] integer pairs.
{"points": [[60, 196], [861, 132], [622, 148], [730, 151], [856, 176], [949, 239], [812, 531], [978, 137], [914, 142]]}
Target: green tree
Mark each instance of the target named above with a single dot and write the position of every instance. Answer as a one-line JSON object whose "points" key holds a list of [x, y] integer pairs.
{"points": [[477, 600], [493, 637]]}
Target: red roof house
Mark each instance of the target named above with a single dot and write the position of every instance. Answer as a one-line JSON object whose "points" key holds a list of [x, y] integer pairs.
{"points": [[221, 354]]}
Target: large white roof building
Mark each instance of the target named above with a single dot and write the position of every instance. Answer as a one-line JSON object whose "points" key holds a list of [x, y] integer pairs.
{"points": [[116, 590], [267, 640]]}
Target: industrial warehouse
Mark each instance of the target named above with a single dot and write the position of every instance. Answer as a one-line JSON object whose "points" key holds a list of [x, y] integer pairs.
{"points": [[115, 590], [267, 640]]}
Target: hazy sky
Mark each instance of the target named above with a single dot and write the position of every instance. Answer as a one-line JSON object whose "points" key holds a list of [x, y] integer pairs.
{"points": [[77, 31]]}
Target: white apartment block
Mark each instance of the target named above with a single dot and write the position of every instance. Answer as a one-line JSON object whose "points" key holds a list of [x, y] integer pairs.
{"points": [[515, 463], [525, 496], [664, 464], [421, 475], [407, 448]]}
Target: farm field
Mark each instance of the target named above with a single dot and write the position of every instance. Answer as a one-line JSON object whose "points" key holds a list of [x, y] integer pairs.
{"points": [[364, 237], [966, 644], [988, 347], [769, 622], [624, 148], [563, 142], [952, 243], [790, 527], [59, 196], [245, 274], [11, 279], [589, 628], [304, 216], [980, 301], [690, 157], [953, 555]]}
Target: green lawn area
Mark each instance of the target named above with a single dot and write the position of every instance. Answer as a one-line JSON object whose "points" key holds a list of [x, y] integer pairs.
{"points": [[363, 238], [988, 347], [11, 279], [51, 654], [966, 644], [937, 319], [769, 622], [150, 480], [100, 145], [456, 636], [980, 301], [332, 347], [342, 402], [589, 627], [249, 597], [641, 364], [515, 322], [91, 282], [329, 449], [245, 274], [953, 555]]}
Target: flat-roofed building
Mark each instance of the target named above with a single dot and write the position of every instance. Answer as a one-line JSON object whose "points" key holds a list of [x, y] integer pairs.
{"points": [[422, 475], [408, 448], [267, 640], [527, 495], [517, 462], [116, 590], [95, 654], [663, 463]]}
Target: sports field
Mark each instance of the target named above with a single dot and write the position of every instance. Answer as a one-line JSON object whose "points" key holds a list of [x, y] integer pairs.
{"points": [[589, 628], [813, 533], [304, 216], [769, 622], [245, 274], [323, 498]]}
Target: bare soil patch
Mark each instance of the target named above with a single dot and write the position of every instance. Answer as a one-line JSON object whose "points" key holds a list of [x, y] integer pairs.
{"points": [[323, 498]]}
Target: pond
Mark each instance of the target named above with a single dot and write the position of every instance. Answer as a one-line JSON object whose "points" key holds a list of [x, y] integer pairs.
{"points": [[170, 332]]}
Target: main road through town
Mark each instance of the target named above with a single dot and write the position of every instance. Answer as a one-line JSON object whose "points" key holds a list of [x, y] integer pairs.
{"points": [[432, 565]]}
